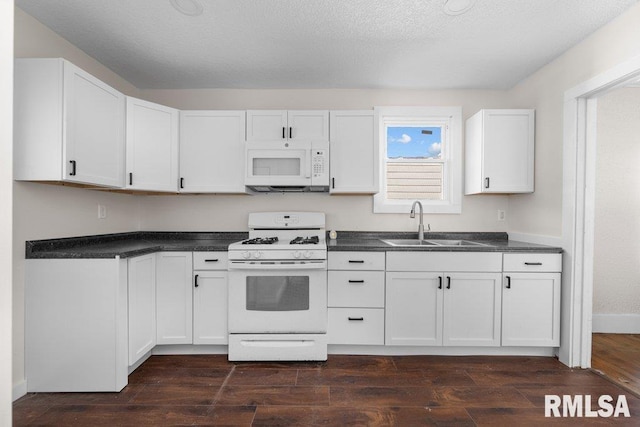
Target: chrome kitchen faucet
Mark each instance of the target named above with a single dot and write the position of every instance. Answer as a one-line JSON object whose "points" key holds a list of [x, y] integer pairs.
{"points": [[412, 214]]}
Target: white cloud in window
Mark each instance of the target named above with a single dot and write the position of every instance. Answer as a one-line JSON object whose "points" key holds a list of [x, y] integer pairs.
{"points": [[435, 148], [404, 139]]}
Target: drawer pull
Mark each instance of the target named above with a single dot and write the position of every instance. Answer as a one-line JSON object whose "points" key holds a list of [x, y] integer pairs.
{"points": [[356, 261], [532, 263], [212, 260], [356, 281], [359, 319]]}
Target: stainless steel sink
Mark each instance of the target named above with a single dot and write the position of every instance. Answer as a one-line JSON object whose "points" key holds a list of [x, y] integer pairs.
{"points": [[408, 242], [432, 242], [453, 242]]}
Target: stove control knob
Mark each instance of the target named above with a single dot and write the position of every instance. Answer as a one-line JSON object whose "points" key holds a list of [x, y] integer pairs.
{"points": [[297, 254], [307, 254], [246, 255], [257, 254]]}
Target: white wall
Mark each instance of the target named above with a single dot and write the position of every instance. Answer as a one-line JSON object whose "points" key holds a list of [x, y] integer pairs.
{"points": [[6, 168], [46, 211], [540, 213], [616, 276]]}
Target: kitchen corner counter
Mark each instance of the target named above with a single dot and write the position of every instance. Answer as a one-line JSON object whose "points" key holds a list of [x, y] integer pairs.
{"points": [[366, 241], [127, 245]]}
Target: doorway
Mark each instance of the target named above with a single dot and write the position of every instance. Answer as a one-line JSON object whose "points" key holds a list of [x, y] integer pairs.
{"points": [[579, 167]]}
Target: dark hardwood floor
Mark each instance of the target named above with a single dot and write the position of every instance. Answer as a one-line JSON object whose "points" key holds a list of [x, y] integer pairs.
{"points": [[617, 357], [345, 390]]}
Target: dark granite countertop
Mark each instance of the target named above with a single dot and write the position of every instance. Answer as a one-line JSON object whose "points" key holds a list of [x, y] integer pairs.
{"points": [[126, 245], [493, 242]]}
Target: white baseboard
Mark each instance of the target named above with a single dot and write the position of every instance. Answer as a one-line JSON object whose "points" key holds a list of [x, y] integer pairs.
{"points": [[616, 323], [19, 390]]}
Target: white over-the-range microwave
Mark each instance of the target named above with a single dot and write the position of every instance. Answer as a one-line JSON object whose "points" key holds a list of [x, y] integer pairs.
{"points": [[291, 166]]}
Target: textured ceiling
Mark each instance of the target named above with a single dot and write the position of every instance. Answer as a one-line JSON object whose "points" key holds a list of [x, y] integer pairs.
{"points": [[324, 43]]}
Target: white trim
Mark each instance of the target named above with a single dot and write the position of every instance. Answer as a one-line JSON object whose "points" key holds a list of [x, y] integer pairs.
{"points": [[19, 390], [189, 349], [616, 323], [440, 351], [577, 203]]}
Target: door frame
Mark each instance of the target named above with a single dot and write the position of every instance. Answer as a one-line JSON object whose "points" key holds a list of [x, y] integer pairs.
{"points": [[578, 203]]}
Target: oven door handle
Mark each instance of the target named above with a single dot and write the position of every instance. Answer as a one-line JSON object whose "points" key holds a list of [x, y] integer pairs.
{"points": [[277, 265]]}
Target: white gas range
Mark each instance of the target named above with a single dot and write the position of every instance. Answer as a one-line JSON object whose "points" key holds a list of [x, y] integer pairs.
{"points": [[278, 288]]}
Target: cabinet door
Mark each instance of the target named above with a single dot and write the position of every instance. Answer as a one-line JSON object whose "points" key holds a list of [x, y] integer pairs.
{"points": [[413, 310], [210, 307], [152, 146], [508, 150], [531, 309], [353, 150], [212, 151], [267, 125], [142, 306], [174, 298], [472, 309], [93, 130], [308, 125]]}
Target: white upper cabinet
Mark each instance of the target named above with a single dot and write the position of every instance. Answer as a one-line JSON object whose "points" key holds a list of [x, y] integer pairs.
{"points": [[152, 146], [353, 150], [499, 147], [69, 126], [296, 125], [212, 151]]}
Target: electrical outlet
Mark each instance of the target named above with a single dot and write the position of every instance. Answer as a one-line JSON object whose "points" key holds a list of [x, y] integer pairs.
{"points": [[501, 215], [102, 211]]}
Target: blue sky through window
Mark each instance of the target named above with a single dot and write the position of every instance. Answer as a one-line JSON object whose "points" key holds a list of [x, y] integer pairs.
{"points": [[410, 142]]}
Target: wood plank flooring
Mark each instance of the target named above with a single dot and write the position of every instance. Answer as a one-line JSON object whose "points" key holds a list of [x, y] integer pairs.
{"points": [[345, 390], [617, 356]]}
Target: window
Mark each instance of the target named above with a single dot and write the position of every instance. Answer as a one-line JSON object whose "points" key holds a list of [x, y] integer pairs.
{"points": [[421, 157]]}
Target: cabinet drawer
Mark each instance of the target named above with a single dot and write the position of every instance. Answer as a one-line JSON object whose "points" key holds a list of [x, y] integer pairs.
{"points": [[210, 260], [356, 260], [356, 289], [358, 326], [444, 261], [533, 262]]}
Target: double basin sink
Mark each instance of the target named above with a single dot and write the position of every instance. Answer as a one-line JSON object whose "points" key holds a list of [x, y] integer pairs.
{"points": [[432, 242]]}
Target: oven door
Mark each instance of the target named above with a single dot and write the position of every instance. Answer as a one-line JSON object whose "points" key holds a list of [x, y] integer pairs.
{"points": [[278, 164], [264, 301]]}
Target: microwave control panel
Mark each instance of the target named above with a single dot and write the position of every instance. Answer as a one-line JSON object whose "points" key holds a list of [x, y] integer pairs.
{"points": [[319, 165]]}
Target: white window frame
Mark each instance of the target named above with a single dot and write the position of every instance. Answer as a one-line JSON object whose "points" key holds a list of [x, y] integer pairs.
{"points": [[451, 117]]}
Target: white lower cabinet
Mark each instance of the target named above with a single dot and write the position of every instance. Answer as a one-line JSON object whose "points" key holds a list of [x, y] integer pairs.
{"points": [[531, 300], [414, 309], [210, 298], [356, 298], [76, 337], [142, 306], [174, 296], [471, 309], [461, 307]]}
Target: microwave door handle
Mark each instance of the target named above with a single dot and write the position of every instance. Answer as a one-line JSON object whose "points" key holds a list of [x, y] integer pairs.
{"points": [[308, 156]]}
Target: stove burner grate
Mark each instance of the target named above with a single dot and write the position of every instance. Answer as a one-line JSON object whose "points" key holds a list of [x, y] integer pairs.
{"points": [[261, 241], [313, 240]]}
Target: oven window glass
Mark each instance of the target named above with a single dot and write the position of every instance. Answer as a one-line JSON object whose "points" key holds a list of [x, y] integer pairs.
{"points": [[277, 293], [281, 166]]}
